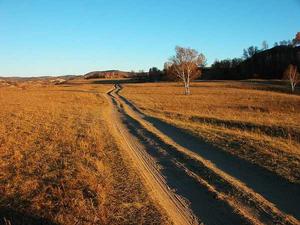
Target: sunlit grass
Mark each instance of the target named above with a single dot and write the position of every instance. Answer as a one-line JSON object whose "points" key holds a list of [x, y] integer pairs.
{"points": [[251, 121], [59, 164]]}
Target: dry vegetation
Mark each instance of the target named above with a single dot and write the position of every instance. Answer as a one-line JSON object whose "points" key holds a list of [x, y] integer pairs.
{"points": [[256, 122], [59, 164]]}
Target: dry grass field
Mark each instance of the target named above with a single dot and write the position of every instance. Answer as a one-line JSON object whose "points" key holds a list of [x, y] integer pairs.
{"points": [[62, 161], [257, 122], [60, 165]]}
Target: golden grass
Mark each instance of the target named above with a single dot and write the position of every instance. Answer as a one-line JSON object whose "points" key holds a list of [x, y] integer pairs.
{"points": [[59, 164], [251, 121]]}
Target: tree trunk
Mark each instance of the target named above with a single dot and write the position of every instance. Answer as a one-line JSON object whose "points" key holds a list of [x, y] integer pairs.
{"points": [[293, 87], [187, 89]]}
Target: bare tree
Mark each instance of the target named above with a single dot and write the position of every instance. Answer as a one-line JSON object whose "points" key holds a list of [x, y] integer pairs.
{"points": [[293, 76], [185, 65], [296, 41], [264, 45], [251, 51]]}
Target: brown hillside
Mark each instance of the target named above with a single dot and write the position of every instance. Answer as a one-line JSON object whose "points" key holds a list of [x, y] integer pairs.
{"points": [[108, 74]]}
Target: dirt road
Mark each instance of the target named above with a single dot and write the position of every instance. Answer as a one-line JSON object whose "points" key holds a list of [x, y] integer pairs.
{"points": [[186, 184]]}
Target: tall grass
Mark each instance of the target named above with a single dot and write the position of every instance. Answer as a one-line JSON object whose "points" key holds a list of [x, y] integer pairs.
{"points": [[60, 165]]}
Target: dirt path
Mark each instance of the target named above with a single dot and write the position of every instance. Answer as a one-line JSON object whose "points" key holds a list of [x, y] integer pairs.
{"points": [[284, 194], [173, 166], [175, 207]]}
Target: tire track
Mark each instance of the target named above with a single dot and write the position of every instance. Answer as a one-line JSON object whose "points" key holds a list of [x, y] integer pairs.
{"points": [[174, 206], [241, 199], [184, 188]]}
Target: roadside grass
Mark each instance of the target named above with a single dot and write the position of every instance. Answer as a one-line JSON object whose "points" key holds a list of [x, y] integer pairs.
{"points": [[252, 121], [60, 165]]}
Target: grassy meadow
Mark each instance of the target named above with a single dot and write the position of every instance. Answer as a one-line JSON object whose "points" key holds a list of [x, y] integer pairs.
{"points": [[255, 121], [60, 165]]}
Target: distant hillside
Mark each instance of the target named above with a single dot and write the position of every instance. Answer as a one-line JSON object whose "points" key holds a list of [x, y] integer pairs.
{"points": [[108, 74], [40, 78], [272, 63], [43, 80], [268, 64]]}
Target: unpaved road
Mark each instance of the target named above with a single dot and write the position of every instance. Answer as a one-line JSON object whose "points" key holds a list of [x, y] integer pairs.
{"points": [[185, 182]]}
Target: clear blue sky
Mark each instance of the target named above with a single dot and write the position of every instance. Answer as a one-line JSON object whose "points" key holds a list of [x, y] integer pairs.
{"points": [[55, 37]]}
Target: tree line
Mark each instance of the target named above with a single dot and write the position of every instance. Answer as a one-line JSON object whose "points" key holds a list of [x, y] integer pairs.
{"points": [[188, 64], [247, 65]]}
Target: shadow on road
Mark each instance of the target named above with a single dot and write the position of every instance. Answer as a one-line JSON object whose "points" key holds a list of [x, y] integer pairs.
{"points": [[284, 194]]}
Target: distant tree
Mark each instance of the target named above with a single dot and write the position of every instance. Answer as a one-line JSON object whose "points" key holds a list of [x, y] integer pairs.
{"points": [[283, 43], [153, 70], [167, 66], [236, 62], [286, 43], [227, 63], [292, 75], [203, 60], [251, 51], [132, 73], [245, 54], [290, 43], [155, 74], [296, 40], [265, 45], [225, 69], [222, 64], [185, 65]]}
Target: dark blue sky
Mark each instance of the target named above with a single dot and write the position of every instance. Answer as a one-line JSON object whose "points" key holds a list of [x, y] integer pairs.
{"points": [[42, 37]]}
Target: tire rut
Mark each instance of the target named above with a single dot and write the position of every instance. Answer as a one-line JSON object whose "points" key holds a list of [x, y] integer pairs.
{"points": [[261, 210]]}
